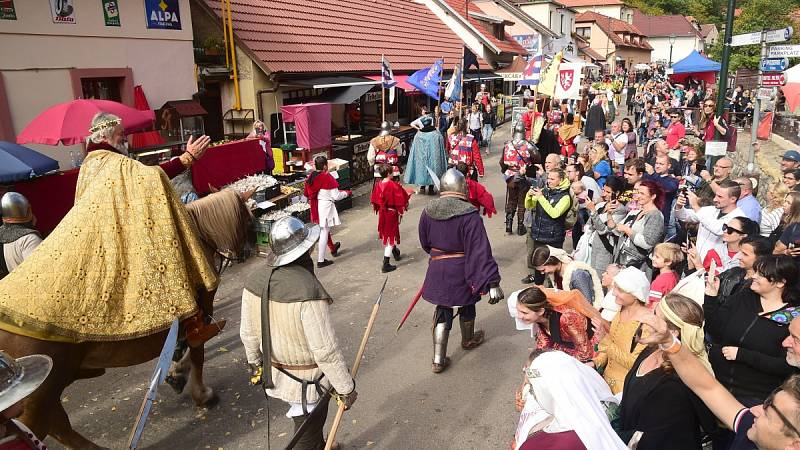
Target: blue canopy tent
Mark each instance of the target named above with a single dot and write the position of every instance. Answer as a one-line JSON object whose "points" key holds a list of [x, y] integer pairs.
{"points": [[21, 163], [696, 65]]}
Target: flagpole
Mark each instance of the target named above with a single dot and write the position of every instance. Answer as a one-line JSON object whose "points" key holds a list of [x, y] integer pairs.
{"points": [[383, 93], [461, 91]]}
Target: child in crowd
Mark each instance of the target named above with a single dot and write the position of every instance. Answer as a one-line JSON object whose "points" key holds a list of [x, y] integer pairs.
{"points": [[390, 201], [322, 191], [609, 308], [666, 258]]}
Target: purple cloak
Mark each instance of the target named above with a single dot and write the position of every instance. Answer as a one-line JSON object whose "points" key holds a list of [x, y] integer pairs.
{"points": [[457, 281]]}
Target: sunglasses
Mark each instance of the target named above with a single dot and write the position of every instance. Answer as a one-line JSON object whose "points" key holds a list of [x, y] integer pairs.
{"points": [[730, 230], [770, 403]]}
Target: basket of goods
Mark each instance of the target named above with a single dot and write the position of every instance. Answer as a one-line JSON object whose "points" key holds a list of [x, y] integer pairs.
{"points": [[265, 187], [300, 210]]}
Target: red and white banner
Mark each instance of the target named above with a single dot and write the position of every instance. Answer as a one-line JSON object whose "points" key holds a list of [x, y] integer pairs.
{"points": [[569, 81]]}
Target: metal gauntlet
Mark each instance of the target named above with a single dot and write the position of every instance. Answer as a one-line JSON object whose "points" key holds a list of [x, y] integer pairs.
{"points": [[495, 293]]}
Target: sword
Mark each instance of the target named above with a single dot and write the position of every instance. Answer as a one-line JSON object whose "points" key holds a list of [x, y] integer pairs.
{"points": [[410, 307], [317, 411], [160, 373], [434, 178]]}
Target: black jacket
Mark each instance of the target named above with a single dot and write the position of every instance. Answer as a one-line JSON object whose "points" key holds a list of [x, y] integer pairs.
{"points": [[546, 229], [760, 364], [664, 409]]}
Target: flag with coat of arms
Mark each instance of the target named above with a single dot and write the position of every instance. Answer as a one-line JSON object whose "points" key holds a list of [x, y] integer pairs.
{"points": [[569, 81]]}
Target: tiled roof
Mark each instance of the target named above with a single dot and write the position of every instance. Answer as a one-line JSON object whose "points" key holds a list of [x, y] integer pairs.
{"points": [[611, 27], [706, 29], [508, 45], [342, 35], [583, 47], [580, 3], [660, 26]]}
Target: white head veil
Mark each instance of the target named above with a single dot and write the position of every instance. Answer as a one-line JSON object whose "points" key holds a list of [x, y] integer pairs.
{"points": [[571, 393]]}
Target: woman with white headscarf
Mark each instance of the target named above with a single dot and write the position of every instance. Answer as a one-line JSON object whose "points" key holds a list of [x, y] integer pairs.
{"points": [[658, 411], [618, 350], [565, 406]]}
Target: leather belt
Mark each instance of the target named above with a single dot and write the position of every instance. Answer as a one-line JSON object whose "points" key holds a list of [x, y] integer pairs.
{"points": [[278, 365], [445, 255]]}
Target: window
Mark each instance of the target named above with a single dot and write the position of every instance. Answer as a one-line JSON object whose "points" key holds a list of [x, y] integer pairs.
{"points": [[562, 23], [101, 88], [584, 32], [499, 31]]}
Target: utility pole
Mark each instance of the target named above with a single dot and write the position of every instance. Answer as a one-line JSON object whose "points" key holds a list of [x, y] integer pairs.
{"points": [[723, 74], [751, 153]]}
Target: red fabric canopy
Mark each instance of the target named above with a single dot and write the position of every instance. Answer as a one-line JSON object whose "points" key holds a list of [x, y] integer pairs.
{"points": [[51, 197], [312, 123], [143, 138], [226, 163]]}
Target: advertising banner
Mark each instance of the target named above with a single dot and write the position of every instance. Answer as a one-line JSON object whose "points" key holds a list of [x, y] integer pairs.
{"points": [[7, 10], [163, 14], [63, 11], [111, 13]]}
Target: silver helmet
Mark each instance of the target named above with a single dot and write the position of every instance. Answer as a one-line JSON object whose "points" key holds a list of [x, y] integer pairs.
{"points": [[20, 377], [289, 238], [453, 182], [519, 131], [386, 128], [15, 208]]}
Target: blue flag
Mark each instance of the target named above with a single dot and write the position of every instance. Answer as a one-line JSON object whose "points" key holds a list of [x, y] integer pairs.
{"points": [[427, 79]]}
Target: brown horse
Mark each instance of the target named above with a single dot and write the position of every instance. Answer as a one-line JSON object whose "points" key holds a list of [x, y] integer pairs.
{"points": [[222, 221]]}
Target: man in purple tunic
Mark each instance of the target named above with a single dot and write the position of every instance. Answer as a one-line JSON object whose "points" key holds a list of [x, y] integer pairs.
{"points": [[461, 266]]}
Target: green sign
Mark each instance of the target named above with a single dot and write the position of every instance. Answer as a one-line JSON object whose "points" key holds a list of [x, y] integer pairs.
{"points": [[7, 10], [111, 13]]}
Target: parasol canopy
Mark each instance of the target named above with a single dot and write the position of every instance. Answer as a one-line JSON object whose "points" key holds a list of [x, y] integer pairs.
{"points": [[791, 90], [21, 163], [68, 123]]}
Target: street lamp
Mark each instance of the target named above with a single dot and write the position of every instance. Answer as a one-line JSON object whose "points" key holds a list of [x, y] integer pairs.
{"points": [[672, 40]]}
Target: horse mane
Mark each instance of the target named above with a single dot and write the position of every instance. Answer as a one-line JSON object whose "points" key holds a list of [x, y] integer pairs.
{"points": [[222, 219]]}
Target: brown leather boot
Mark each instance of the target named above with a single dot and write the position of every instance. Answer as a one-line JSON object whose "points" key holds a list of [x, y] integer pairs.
{"points": [[469, 337]]}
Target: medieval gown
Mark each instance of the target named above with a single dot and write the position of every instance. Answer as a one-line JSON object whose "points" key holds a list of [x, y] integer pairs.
{"points": [[427, 151]]}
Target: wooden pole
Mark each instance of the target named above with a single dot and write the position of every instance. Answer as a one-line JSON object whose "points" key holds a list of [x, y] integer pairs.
{"points": [[383, 94], [356, 364]]}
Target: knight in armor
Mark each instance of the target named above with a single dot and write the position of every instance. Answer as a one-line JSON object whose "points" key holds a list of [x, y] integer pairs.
{"points": [[463, 147], [17, 235], [427, 152], [286, 327], [384, 149], [461, 268], [518, 165]]}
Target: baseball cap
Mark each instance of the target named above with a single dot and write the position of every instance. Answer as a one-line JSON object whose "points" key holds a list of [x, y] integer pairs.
{"points": [[792, 155]]}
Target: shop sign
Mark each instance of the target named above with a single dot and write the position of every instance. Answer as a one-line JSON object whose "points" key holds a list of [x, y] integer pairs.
{"points": [[7, 10], [511, 76], [63, 11], [530, 42], [111, 13], [163, 14], [774, 64], [764, 93], [372, 96], [773, 79]]}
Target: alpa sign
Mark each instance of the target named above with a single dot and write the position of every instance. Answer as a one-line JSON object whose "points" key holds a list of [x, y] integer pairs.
{"points": [[163, 14]]}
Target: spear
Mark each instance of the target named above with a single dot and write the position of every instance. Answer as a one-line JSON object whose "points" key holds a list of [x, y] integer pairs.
{"points": [[410, 307], [356, 364]]}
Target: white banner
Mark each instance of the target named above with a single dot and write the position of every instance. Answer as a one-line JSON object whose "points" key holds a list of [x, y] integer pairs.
{"points": [[569, 81]]}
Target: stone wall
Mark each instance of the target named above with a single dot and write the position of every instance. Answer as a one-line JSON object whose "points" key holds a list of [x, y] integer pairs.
{"points": [[767, 169]]}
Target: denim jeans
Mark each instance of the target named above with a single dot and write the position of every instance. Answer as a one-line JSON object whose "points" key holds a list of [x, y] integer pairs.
{"points": [[487, 134]]}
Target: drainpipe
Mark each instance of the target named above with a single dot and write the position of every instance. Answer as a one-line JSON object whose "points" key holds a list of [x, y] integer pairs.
{"points": [[237, 105], [273, 90]]}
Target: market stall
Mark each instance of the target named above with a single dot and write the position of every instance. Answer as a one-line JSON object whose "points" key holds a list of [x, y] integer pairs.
{"points": [[697, 66], [307, 133], [226, 163]]}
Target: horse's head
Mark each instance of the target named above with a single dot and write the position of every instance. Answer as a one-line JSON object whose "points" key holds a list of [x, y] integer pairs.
{"points": [[223, 220]]}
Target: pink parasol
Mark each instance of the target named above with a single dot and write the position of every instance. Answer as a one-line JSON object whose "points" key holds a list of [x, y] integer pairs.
{"points": [[791, 90], [68, 123]]}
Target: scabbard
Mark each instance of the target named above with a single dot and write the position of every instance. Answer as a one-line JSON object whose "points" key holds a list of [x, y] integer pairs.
{"points": [[315, 413], [266, 340]]}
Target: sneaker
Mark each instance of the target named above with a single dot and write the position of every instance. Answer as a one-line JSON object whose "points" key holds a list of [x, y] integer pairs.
{"points": [[324, 263], [530, 279]]}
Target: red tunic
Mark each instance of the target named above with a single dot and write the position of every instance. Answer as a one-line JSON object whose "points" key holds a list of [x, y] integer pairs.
{"points": [[480, 197], [389, 200], [529, 118], [316, 182], [172, 168]]}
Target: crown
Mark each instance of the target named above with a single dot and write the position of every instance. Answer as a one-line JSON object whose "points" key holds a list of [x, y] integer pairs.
{"points": [[109, 123]]}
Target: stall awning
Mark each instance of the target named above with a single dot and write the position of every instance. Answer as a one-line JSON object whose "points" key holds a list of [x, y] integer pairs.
{"points": [[402, 82], [345, 94], [331, 82]]}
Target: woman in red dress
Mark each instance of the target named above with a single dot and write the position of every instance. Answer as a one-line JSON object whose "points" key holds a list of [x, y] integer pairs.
{"points": [[390, 201]]}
